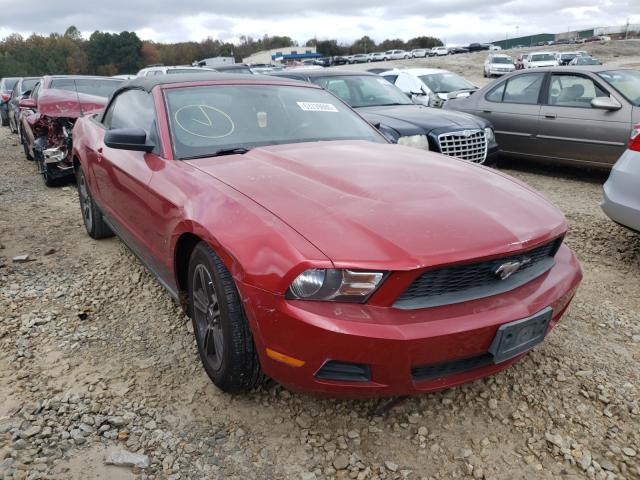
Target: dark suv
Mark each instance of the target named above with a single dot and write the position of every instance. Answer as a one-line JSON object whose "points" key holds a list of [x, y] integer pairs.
{"points": [[391, 111]]}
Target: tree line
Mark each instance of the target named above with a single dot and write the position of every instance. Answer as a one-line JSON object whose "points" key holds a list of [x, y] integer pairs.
{"points": [[105, 53]]}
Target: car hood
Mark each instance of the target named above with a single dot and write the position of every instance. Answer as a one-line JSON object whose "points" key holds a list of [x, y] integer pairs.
{"points": [[370, 205], [62, 103], [419, 119]]}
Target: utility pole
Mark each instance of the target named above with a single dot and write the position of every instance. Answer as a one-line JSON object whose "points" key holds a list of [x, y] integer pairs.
{"points": [[626, 30]]}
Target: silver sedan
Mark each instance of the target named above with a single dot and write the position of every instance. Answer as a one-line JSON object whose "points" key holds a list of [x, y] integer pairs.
{"points": [[622, 190], [579, 115]]}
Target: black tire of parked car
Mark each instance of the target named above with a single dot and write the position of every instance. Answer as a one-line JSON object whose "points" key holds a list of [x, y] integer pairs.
{"points": [[47, 177], [219, 323], [91, 215], [5, 119], [25, 148]]}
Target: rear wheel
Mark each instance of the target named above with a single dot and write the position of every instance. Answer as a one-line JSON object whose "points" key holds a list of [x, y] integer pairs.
{"points": [[223, 336], [91, 214]]}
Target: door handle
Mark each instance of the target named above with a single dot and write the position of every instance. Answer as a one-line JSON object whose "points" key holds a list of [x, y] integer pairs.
{"points": [[99, 154], [549, 115], [486, 111]]}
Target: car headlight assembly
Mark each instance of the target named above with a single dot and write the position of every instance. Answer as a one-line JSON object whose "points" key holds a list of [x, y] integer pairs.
{"points": [[489, 135], [336, 285], [415, 141]]}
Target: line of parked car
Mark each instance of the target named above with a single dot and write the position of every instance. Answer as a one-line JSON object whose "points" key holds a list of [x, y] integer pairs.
{"points": [[265, 204]]}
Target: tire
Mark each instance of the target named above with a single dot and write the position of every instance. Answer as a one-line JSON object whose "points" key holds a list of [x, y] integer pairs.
{"points": [[484, 73], [25, 148], [91, 215], [222, 332], [5, 119], [47, 177]]}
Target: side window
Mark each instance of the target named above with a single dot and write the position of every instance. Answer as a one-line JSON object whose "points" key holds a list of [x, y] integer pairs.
{"points": [[495, 95], [573, 91], [133, 109], [523, 89]]}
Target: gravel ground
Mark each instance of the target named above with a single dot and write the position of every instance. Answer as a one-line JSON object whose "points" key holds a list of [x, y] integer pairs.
{"points": [[100, 379]]}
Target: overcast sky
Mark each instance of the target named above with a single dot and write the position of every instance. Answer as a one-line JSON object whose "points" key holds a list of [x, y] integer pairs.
{"points": [[454, 21]]}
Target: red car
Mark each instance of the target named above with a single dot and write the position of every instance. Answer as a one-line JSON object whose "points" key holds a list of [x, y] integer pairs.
{"points": [[307, 248], [49, 114]]}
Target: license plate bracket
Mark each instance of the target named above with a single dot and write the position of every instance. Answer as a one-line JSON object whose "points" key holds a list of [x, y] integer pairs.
{"points": [[515, 338]]}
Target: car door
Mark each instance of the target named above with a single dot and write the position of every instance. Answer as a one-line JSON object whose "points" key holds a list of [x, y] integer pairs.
{"points": [[572, 129], [121, 176], [513, 107]]}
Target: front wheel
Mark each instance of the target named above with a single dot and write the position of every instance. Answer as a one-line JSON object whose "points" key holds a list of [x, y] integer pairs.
{"points": [[223, 336]]}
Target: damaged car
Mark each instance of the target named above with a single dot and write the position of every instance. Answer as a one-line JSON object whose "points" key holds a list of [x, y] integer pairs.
{"points": [[49, 114]]}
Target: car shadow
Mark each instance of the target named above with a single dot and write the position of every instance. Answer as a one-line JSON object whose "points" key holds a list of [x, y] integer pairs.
{"points": [[569, 172]]}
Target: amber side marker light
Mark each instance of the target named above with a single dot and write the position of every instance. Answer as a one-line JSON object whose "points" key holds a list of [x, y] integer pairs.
{"points": [[281, 357]]}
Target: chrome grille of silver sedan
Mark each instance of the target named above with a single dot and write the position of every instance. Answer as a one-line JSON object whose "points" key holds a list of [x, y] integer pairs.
{"points": [[468, 145]]}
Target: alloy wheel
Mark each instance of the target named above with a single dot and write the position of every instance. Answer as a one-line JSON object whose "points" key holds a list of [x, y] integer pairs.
{"points": [[206, 313]]}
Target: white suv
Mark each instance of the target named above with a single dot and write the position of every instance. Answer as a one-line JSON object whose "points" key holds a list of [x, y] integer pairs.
{"points": [[498, 64], [540, 59], [396, 54], [162, 70], [440, 51]]}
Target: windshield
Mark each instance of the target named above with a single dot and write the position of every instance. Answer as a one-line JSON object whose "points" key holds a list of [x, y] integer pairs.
{"points": [[29, 83], [543, 57], [587, 61], [627, 82], [100, 87], [502, 60], [569, 56], [363, 90], [446, 82], [206, 119]]}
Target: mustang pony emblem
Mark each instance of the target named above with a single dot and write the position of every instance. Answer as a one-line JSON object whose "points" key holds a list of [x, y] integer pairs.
{"points": [[507, 269]]}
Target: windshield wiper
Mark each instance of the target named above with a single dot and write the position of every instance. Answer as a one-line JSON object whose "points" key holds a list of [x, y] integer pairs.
{"points": [[221, 152]]}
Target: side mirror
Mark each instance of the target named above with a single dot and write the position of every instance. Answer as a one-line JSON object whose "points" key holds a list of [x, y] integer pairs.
{"points": [[606, 103], [128, 139], [27, 103]]}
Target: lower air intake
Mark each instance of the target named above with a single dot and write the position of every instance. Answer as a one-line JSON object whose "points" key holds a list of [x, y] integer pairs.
{"points": [[345, 372]]}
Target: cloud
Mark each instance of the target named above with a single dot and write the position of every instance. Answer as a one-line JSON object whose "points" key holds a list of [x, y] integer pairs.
{"points": [[457, 21]]}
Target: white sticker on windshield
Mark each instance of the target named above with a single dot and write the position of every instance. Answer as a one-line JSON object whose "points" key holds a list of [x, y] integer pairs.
{"points": [[317, 107]]}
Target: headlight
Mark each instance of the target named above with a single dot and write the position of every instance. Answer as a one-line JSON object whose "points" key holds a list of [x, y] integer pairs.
{"points": [[489, 135], [335, 285], [415, 141]]}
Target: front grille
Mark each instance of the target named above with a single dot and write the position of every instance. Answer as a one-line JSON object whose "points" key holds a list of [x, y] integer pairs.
{"points": [[468, 145], [461, 283], [429, 372]]}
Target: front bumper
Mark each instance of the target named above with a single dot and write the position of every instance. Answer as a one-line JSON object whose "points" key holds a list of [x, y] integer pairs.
{"points": [[621, 194], [391, 342]]}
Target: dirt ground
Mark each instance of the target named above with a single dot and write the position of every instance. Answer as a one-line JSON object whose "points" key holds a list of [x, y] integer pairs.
{"points": [[95, 358]]}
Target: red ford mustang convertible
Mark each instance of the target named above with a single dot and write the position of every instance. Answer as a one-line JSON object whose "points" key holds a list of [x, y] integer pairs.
{"points": [[307, 248]]}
